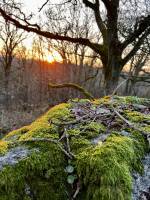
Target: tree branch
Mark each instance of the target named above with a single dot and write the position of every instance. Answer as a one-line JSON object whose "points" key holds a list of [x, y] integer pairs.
{"points": [[143, 25], [70, 156], [135, 48], [106, 3], [83, 41], [46, 2], [136, 78], [74, 86], [99, 21]]}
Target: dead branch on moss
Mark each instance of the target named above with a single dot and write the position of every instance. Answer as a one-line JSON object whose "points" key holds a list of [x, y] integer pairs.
{"points": [[68, 154], [77, 190], [74, 86], [121, 117], [131, 125]]}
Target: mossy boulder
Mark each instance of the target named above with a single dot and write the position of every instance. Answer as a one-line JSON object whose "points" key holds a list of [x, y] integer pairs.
{"points": [[80, 150]]}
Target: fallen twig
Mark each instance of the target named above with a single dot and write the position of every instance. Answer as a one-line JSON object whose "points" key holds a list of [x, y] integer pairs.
{"points": [[77, 190], [120, 116], [70, 156], [115, 90], [132, 125]]}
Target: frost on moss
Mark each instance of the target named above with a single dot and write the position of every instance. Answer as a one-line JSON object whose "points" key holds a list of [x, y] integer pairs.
{"points": [[103, 169]]}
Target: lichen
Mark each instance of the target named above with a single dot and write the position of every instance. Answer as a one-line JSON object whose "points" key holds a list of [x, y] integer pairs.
{"points": [[104, 169]]}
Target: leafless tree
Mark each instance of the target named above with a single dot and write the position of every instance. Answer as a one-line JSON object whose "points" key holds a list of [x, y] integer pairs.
{"points": [[107, 16], [73, 53], [138, 70], [10, 38]]}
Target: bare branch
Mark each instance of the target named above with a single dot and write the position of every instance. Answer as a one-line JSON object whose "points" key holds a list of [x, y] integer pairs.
{"points": [[83, 41], [47, 140], [43, 5], [100, 23], [74, 86], [136, 47], [144, 24]]}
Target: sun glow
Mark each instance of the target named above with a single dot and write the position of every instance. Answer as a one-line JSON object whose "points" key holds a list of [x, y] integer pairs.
{"points": [[54, 56], [50, 59]]}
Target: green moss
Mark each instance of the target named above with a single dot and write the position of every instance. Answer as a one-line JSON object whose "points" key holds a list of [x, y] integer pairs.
{"points": [[78, 144], [88, 131], [42, 172], [105, 101], [13, 135], [132, 100], [92, 130], [3, 146], [135, 116], [146, 129], [104, 169]]}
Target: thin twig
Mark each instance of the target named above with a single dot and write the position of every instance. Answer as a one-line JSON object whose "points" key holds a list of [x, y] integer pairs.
{"points": [[132, 125], [115, 90], [77, 190], [43, 5], [48, 140], [120, 116]]}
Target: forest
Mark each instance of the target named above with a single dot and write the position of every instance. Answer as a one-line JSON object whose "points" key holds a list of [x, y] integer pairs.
{"points": [[75, 100]]}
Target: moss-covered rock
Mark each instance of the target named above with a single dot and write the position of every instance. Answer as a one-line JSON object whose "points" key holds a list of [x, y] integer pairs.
{"points": [[55, 158]]}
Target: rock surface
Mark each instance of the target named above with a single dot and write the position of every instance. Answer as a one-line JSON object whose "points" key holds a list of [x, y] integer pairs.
{"points": [[86, 151], [141, 184], [13, 156]]}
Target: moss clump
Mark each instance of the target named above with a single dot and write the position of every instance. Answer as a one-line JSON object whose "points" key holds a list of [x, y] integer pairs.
{"points": [[146, 129], [132, 100], [13, 135], [88, 131], [104, 101], [135, 116], [3, 147], [104, 169], [43, 171]]}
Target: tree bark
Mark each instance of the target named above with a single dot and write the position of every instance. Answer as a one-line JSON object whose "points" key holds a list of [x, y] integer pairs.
{"points": [[112, 71], [6, 83]]}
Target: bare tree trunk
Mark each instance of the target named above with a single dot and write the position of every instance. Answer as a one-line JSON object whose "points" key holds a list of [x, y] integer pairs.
{"points": [[6, 84], [127, 88], [111, 75]]}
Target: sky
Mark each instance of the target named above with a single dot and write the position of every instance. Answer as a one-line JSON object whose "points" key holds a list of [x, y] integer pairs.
{"points": [[33, 6]]}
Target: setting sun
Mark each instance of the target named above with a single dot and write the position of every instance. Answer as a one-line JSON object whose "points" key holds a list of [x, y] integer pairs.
{"points": [[50, 58], [54, 56]]}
